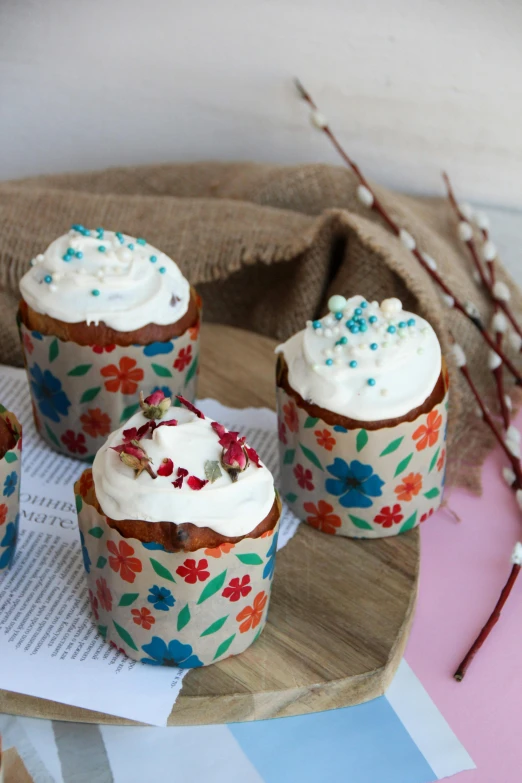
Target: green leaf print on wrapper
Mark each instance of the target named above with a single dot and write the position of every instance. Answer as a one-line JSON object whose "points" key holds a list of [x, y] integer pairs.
{"points": [[250, 559], [434, 460], [90, 394], [52, 436], [391, 447], [10, 456], [101, 562], [215, 626], [410, 522], [403, 464], [192, 371], [96, 532], [213, 586], [82, 369], [289, 456], [291, 497], [223, 647], [310, 422], [125, 635], [309, 454], [360, 523], [128, 598], [161, 371], [431, 493], [161, 570], [183, 618], [361, 440], [54, 350], [129, 411]]}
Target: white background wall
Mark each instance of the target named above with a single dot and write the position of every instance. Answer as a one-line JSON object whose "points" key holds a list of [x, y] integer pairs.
{"points": [[411, 86]]}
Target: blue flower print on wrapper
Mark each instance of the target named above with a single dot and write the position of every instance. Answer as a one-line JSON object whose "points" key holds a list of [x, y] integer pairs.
{"points": [[155, 349], [9, 541], [10, 484], [173, 654], [268, 570], [161, 598], [354, 483], [85, 554], [52, 400]]}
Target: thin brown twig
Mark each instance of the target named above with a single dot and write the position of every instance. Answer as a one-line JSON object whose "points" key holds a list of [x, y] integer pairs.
{"points": [[378, 207]]}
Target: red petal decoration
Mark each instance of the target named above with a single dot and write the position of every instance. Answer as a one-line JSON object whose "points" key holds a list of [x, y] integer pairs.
{"points": [[178, 483], [190, 407], [155, 398], [217, 427], [196, 483], [253, 456], [130, 434], [166, 467], [182, 472], [169, 423]]}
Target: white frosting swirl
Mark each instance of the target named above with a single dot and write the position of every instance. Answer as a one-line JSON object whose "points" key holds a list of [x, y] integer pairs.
{"points": [[101, 276], [364, 361], [230, 508]]}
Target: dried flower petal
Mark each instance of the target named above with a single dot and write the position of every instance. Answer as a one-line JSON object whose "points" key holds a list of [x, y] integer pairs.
{"points": [[196, 483], [218, 428], [190, 407], [166, 467], [181, 473], [253, 456], [169, 423]]}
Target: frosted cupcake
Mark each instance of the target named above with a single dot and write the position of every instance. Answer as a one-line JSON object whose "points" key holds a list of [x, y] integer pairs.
{"points": [[178, 522], [10, 469], [102, 315], [362, 400]]}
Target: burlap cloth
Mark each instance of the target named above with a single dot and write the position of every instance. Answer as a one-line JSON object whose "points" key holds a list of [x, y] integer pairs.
{"points": [[266, 246]]}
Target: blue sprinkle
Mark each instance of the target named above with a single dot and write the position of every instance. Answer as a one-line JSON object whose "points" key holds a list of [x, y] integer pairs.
{"points": [[373, 319], [371, 381], [358, 311], [77, 227], [391, 329], [100, 233], [141, 241], [402, 324], [354, 329], [374, 346], [101, 248], [364, 304], [153, 259], [342, 341], [162, 270], [353, 363], [130, 246], [70, 251], [48, 279], [363, 327], [338, 316], [329, 362], [315, 324], [411, 322], [95, 292], [79, 254], [67, 257], [120, 237], [350, 323]]}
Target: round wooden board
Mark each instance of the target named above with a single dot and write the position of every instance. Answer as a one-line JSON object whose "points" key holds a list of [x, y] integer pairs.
{"points": [[341, 609]]}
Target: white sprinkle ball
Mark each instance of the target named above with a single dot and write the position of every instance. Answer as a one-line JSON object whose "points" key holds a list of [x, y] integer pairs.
{"points": [[338, 361], [482, 220], [499, 323], [40, 257], [501, 291], [101, 274], [464, 231], [328, 352], [448, 300], [336, 303], [489, 251], [384, 392], [515, 340], [328, 333], [53, 287], [329, 320], [516, 555], [514, 448], [318, 120], [459, 355], [513, 433], [507, 400], [471, 309], [509, 476], [391, 307], [364, 196], [429, 261], [336, 331], [494, 360], [338, 348], [126, 254], [407, 240], [466, 210]]}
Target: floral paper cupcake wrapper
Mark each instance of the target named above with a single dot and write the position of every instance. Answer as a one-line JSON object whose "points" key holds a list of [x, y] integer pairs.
{"points": [[186, 609], [10, 470], [81, 393], [361, 483]]}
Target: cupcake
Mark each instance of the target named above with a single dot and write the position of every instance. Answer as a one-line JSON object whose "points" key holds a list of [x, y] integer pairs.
{"points": [[178, 524], [10, 468], [362, 397], [102, 315]]}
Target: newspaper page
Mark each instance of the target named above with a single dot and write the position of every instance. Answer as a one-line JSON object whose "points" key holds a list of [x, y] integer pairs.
{"points": [[49, 645]]}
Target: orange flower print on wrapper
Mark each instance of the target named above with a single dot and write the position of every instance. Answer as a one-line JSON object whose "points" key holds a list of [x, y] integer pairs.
{"points": [[192, 572], [291, 418], [389, 516], [122, 561], [194, 331], [95, 423], [411, 486], [250, 616], [441, 460], [3, 513], [325, 439], [321, 517], [222, 549], [428, 434], [183, 358], [143, 617], [125, 378], [303, 477], [103, 594], [86, 482]]}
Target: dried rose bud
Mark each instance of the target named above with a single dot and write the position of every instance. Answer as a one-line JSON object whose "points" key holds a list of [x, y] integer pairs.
{"points": [[132, 455], [166, 467], [234, 458], [190, 407], [156, 408]]}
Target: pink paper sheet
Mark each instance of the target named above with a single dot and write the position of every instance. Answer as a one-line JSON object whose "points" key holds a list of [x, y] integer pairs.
{"points": [[464, 566]]}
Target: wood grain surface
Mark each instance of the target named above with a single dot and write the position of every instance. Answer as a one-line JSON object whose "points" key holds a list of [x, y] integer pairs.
{"points": [[340, 612]]}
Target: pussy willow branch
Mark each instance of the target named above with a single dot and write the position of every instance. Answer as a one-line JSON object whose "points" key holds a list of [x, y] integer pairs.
{"points": [[396, 229], [488, 282]]}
